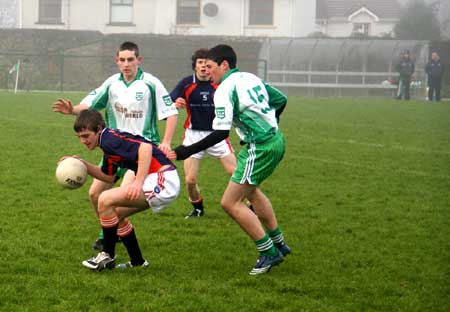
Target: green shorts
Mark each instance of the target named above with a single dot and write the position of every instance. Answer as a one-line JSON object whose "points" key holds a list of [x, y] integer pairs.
{"points": [[257, 161], [120, 171]]}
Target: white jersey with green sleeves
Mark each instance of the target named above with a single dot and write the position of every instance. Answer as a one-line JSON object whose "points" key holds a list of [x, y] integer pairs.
{"points": [[133, 107], [242, 100]]}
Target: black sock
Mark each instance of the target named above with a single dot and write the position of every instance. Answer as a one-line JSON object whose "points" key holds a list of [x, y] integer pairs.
{"points": [[109, 240], [131, 244], [198, 204]]}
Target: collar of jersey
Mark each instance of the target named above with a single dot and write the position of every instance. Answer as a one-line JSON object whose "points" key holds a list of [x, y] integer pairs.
{"points": [[228, 73], [101, 136], [138, 77]]}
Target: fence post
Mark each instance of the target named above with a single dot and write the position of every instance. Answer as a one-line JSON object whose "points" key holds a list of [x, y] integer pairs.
{"points": [[264, 69], [61, 70]]}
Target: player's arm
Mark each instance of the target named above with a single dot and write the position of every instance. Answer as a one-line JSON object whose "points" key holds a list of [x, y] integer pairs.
{"points": [[182, 152], [221, 126], [277, 100], [97, 173], [177, 95], [96, 99], [166, 111], [171, 125], [66, 107]]}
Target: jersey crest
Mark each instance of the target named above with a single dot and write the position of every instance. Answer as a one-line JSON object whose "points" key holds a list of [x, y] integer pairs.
{"points": [[139, 96], [220, 112], [167, 100]]}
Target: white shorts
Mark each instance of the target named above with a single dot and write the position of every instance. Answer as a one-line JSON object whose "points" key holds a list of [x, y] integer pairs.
{"points": [[220, 150], [161, 188]]}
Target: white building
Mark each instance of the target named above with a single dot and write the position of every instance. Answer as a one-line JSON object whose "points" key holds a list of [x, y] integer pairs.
{"points": [[344, 18], [272, 18]]}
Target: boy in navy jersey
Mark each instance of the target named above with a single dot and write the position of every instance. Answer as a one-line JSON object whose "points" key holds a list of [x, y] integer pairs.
{"points": [[133, 101], [195, 93], [156, 184]]}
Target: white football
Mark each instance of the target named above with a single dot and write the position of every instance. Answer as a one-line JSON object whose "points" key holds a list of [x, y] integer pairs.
{"points": [[71, 173]]}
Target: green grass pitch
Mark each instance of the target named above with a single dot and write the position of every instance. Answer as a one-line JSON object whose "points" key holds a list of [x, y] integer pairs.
{"points": [[362, 197]]}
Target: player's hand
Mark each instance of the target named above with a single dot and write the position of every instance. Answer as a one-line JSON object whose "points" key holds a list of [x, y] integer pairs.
{"points": [[133, 190], [73, 156], [171, 155], [61, 159], [180, 103], [165, 148], [63, 106]]}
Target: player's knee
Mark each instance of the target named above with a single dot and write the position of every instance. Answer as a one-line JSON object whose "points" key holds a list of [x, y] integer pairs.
{"points": [[94, 194], [190, 181], [104, 204], [226, 206]]}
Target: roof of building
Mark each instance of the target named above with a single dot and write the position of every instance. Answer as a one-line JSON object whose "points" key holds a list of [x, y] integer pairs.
{"points": [[327, 9]]}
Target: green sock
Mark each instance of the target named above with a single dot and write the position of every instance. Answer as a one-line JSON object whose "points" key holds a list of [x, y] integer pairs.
{"points": [[100, 235], [276, 236], [265, 246]]}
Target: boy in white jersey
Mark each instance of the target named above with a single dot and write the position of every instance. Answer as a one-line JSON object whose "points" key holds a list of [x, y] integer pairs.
{"points": [[253, 107], [133, 100]]}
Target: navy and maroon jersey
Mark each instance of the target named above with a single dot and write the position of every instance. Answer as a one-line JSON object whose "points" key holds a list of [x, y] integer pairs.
{"points": [[199, 97], [121, 150]]}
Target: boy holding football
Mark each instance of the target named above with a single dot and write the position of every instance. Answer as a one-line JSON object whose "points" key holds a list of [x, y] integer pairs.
{"points": [[156, 184], [133, 100], [253, 107]]}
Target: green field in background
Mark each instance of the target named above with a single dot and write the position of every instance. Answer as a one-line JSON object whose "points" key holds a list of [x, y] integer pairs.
{"points": [[362, 197]]}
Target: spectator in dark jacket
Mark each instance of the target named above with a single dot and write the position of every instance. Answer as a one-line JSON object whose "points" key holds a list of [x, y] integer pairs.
{"points": [[435, 72], [405, 68]]}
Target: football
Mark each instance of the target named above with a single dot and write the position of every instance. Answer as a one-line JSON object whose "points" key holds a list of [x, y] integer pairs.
{"points": [[71, 173]]}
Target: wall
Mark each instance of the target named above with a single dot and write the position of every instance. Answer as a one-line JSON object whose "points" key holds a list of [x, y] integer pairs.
{"points": [[292, 18]]}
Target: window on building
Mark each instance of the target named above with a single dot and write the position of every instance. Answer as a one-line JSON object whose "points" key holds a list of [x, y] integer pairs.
{"points": [[188, 12], [50, 11], [260, 12], [361, 28], [121, 11]]}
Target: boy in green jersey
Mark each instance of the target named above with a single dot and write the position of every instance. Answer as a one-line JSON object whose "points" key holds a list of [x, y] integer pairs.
{"points": [[253, 107]]}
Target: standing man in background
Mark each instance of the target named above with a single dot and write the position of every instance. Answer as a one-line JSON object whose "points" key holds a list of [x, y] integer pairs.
{"points": [[195, 93], [435, 72], [133, 100], [405, 68]]}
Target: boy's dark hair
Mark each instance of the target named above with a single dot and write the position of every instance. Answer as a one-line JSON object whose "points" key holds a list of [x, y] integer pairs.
{"points": [[129, 46], [89, 120], [199, 54], [222, 52]]}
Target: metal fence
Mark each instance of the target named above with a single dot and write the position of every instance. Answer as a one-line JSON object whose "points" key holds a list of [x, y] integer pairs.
{"points": [[313, 67], [341, 67], [68, 72]]}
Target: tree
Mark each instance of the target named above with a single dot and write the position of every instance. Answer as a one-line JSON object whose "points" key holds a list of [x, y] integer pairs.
{"points": [[418, 22]]}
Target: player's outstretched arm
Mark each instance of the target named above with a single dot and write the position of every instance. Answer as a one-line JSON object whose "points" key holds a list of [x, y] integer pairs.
{"points": [[66, 107], [182, 152]]}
